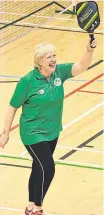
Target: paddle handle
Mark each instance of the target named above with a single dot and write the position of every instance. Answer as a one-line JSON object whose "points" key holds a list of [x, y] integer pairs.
{"points": [[92, 38]]}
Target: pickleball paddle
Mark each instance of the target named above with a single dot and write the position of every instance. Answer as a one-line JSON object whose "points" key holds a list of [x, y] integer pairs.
{"points": [[88, 16]]}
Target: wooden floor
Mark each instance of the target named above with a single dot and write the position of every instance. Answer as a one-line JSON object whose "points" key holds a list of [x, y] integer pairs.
{"points": [[77, 188]]}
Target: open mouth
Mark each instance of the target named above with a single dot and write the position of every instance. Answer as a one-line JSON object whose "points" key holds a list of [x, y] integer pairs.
{"points": [[52, 65]]}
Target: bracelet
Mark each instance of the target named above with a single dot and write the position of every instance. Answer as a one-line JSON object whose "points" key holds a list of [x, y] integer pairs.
{"points": [[89, 50]]}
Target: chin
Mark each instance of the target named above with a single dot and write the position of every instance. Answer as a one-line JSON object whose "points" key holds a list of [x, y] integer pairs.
{"points": [[52, 70]]}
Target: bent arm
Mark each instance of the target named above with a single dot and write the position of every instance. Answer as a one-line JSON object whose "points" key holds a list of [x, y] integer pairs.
{"points": [[9, 119], [85, 61]]}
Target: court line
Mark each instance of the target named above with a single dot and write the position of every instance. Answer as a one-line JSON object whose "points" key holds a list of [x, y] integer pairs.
{"points": [[79, 164], [97, 63], [66, 29], [83, 115], [83, 80], [14, 127], [10, 76], [65, 163], [18, 210], [7, 82], [82, 145], [24, 153], [15, 165], [84, 85], [80, 149], [59, 146], [86, 91]]}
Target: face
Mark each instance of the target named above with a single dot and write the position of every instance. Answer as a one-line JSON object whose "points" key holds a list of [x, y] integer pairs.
{"points": [[48, 64]]}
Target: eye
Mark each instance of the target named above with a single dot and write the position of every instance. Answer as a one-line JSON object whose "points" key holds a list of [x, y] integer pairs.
{"points": [[49, 57]]}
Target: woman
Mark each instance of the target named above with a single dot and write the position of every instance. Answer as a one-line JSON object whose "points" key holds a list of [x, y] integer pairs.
{"points": [[41, 95]]}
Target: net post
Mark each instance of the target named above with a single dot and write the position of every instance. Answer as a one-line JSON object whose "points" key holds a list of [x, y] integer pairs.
{"points": [[73, 11]]}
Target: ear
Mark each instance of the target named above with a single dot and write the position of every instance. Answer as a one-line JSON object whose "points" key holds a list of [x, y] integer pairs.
{"points": [[40, 61]]}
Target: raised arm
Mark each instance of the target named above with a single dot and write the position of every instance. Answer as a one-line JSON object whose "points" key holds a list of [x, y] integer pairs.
{"points": [[85, 61]]}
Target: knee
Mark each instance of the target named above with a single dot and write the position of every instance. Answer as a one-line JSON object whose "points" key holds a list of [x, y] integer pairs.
{"points": [[49, 170]]}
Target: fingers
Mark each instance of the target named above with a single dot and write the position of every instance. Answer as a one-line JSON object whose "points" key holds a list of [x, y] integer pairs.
{"points": [[93, 43], [1, 146], [3, 140]]}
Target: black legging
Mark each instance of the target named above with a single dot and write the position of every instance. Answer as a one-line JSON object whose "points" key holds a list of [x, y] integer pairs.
{"points": [[43, 169]]}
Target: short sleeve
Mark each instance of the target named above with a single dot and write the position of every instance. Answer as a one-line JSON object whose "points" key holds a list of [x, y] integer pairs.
{"points": [[20, 93], [65, 70]]}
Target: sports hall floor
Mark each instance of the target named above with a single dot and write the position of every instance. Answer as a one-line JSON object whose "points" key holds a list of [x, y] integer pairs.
{"points": [[77, 188]]}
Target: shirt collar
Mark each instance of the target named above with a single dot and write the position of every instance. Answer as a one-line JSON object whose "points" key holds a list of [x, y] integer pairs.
{"points": [[38, 75]]}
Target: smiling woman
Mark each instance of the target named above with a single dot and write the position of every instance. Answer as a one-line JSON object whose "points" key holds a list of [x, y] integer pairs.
{"points": [[40, 93], [45, 59]]}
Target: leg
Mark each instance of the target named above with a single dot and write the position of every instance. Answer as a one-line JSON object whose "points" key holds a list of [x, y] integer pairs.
{"points": [[42, 170], [31, 183], [52, 144]]}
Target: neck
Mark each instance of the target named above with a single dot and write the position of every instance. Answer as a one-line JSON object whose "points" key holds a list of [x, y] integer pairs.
{"points": [[45, 74]]}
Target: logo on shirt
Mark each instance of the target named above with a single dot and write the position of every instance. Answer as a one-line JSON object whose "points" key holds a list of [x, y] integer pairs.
{"points": [[41, 91], [57, 82]]}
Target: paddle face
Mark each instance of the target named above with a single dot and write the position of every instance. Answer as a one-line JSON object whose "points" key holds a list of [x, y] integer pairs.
{"points": [[88, 15]]}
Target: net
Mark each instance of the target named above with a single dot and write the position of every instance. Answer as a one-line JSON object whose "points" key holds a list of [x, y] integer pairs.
{"points": [[18, 17]]}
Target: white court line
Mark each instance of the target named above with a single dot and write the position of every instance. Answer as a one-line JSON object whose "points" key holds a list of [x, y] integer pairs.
{"points": [[83, 115], [79, 149], [70, 148], [10, 155], [18, 210], [22, 155]]}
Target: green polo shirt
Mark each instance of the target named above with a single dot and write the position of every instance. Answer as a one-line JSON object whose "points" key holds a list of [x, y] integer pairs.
{"points": [[42, 104]]}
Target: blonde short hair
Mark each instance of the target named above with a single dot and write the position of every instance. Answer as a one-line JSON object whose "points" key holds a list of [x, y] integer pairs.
{"points": [[40, 51]]}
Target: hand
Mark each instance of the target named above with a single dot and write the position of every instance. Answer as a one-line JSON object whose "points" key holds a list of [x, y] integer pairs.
{"points": [[3, 140], [93, 44]]}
